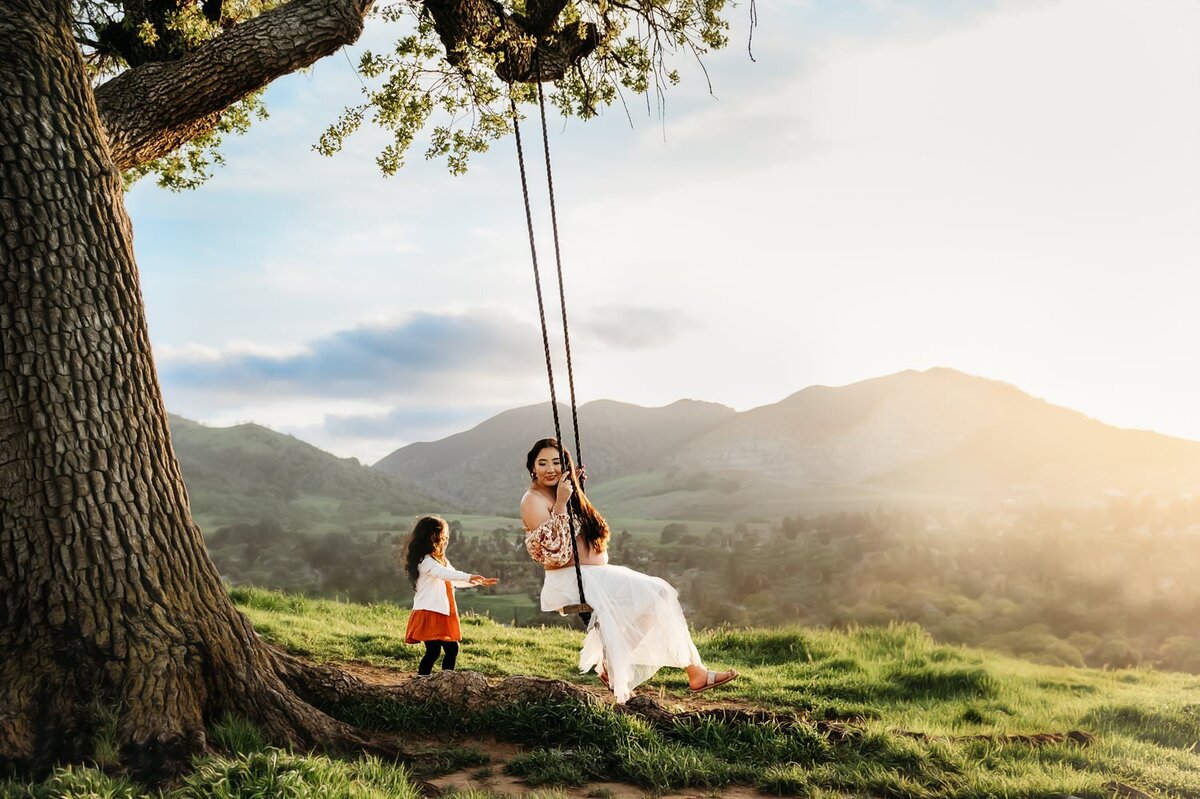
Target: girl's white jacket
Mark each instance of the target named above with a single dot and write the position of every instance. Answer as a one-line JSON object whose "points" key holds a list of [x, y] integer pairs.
{"points": [[431, 585]]}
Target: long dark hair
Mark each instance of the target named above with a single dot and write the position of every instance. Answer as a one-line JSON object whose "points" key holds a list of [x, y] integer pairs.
{"points": [[425, 539], [591, 524]]}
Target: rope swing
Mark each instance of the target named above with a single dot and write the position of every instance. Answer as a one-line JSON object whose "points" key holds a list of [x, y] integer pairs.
{"points": [[583, 609]]}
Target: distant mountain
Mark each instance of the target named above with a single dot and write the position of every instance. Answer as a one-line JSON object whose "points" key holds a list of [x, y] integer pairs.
{"points": [[248, 473], [938, 436], [483, 469]]}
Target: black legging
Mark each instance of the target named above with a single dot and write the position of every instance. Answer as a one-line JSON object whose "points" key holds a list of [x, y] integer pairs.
{"points": [[435, 648]]}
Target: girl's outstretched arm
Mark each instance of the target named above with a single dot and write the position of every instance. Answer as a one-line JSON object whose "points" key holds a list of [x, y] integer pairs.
{"points": [[454, 576], [430, 566]]}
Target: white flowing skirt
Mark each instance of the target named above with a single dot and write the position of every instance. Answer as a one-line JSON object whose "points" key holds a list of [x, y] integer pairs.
{"points": [[637, 625]]}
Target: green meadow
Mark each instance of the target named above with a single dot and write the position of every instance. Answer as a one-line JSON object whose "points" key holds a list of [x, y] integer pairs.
{"points": [[883, 684]]}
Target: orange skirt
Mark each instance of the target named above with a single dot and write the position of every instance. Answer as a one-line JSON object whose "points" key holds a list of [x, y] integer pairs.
{"points": [[429, 625]]}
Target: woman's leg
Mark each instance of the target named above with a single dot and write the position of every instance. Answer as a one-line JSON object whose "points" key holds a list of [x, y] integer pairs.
{"points": [[451, 650], [432, 650]]}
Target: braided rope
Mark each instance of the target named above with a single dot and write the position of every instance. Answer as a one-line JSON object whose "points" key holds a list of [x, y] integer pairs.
{"points": [[537, 282], [562, 297]]}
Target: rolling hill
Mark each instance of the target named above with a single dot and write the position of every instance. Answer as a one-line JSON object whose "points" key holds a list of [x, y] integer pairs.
{"points": [[934, 437], [483, 469], [249, 473]]}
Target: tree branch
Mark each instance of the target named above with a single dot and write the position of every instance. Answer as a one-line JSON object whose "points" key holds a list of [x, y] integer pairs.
{"points": [[150, 110], [515, 40]]}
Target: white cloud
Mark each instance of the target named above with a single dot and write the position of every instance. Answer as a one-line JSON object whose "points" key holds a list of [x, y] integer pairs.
{"points": [[367, 389], [634, 327]]}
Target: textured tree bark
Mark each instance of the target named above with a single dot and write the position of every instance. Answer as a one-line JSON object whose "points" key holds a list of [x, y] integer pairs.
{"points": [[150, 110], [107, 596]]}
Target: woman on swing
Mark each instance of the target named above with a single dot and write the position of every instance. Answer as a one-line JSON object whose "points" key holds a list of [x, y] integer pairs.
{"points": [[637, 625]]}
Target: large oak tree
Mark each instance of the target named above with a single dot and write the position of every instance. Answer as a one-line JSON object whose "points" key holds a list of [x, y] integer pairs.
{"points": [[107, 596]]}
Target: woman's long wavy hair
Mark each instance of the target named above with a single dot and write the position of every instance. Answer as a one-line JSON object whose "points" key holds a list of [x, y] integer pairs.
{"points": [[591, 524], [425, 539]]}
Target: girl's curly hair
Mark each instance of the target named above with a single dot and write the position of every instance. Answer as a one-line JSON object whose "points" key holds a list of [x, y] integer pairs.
{"points": [[425, 539]]}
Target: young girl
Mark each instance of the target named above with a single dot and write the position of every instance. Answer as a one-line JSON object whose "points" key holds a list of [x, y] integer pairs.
{"points": [[434, 619]]}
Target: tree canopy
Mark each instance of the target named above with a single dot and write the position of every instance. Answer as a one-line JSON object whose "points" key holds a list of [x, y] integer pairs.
{"points": [[455, 66]]}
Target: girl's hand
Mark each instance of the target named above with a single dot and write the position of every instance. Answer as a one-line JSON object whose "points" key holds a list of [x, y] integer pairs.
{"points": [[479, 579]]}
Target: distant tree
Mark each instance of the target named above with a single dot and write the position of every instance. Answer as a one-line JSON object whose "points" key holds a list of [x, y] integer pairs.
{"points": [[1117, 653], [671, 532], [456, 531], [1180, 653]]}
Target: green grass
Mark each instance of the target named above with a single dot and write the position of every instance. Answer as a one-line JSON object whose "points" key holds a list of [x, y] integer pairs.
{"points": [[894, 676], [268, 774], [438, 760], [889, 679], [886, 679], [330, 630], [238, 736], [501, 607]]}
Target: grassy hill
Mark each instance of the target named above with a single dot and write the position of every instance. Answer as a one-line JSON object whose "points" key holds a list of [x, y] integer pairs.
{"points": [[482, 469], [912, 439], [883, 712], [937, 438], [248, 473]]}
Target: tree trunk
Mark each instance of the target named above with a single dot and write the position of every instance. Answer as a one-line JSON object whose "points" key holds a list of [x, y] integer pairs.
{"points": [[107, 595]]}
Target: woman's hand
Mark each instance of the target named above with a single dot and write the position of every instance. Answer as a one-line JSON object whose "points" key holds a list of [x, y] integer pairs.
{"points": [[565, 490], [479, 579]]}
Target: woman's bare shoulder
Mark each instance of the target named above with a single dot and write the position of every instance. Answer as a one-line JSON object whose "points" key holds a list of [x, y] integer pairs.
{"points": [[534, 509]]}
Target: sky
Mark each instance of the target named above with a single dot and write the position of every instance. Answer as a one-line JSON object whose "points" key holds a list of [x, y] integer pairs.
{"points": [[1009, 188]]}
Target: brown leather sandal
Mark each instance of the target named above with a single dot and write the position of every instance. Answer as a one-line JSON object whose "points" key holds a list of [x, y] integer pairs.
{"points": [[713, 682]]}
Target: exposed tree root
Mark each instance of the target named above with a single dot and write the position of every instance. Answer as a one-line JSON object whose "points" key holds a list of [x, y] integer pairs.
{"points": [[470, 692], [37, 725], [464, 691]]}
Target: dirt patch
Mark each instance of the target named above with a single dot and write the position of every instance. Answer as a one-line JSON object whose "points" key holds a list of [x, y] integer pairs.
{"points": [[501, 783], [494, 779], [372, 674]]}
